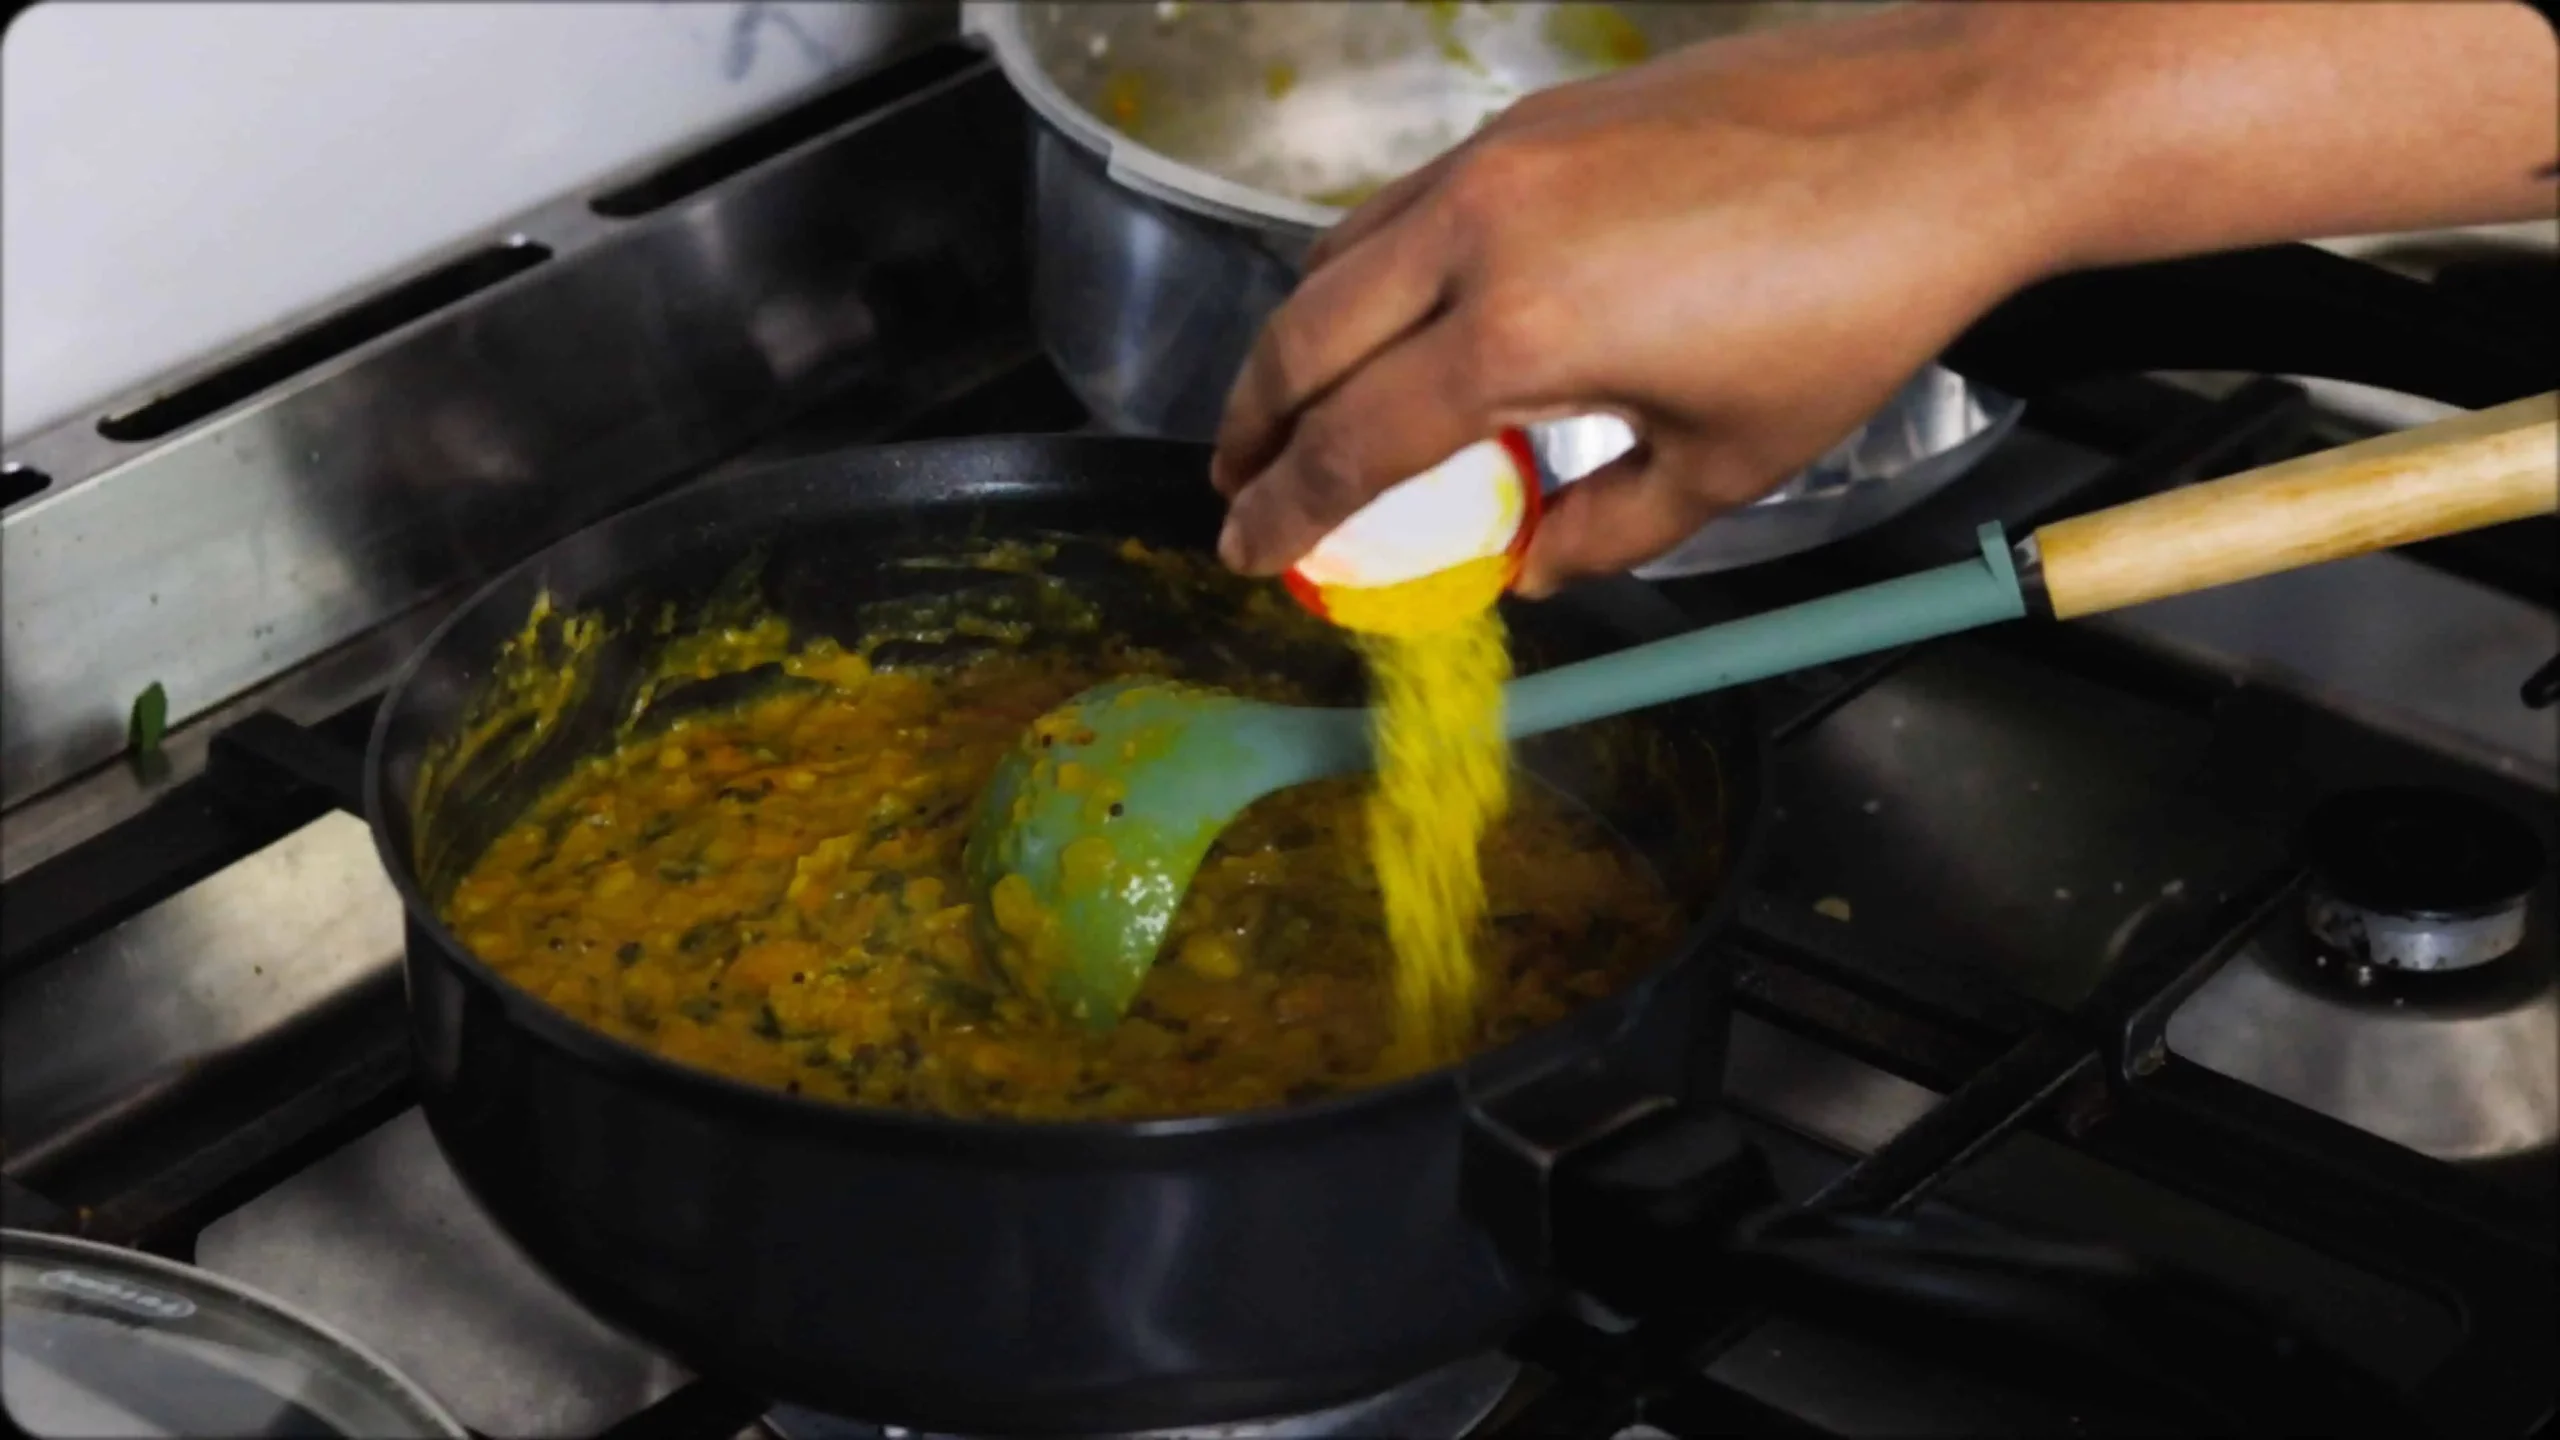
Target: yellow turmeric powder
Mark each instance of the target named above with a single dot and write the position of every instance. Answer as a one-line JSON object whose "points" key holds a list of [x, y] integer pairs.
{"points": [[1443, 780], [1437, 657]]}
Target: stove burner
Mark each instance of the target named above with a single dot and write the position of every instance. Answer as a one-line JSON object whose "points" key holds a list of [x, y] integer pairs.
{"points": [[1441, 1405], [2410, 879]]}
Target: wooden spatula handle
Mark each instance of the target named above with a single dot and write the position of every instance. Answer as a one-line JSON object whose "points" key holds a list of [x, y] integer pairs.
{"points": [[2459, 474]]}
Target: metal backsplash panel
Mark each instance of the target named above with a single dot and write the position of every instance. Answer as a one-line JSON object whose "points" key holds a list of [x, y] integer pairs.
{"points": [[670, 325]]}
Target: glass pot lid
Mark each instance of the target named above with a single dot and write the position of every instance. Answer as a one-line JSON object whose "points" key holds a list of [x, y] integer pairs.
{"points": [[101, 1341]]}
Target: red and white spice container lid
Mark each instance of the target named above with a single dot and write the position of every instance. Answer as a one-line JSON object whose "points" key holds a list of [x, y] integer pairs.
{"points": [[1480, 505]]}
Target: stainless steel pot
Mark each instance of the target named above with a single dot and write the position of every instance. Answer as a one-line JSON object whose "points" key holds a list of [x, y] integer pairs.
{"points": [[1186, 154]]}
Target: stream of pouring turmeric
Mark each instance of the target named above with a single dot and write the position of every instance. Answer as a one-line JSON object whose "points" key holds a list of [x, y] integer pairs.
{"points": [[1437, 658]]}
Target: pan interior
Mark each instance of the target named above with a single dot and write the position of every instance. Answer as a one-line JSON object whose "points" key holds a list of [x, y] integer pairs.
{"points": [[595, 649]]}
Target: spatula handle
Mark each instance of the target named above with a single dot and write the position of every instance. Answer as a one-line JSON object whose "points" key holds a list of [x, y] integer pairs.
{"points": [[1900, 611], [2459, 474]]}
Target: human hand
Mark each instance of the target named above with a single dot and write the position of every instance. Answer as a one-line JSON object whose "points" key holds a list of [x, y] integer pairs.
{"points": [[1743, 249]]}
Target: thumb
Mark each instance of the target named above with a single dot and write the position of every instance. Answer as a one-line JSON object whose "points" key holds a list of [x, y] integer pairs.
{"points": [[1611, 520]]}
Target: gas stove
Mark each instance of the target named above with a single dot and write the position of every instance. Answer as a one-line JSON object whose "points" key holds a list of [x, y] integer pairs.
{"points": [[2222, 930]]}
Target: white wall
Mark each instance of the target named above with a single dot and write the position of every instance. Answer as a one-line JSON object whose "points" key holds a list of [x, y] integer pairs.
{"points": [[175, 175]]}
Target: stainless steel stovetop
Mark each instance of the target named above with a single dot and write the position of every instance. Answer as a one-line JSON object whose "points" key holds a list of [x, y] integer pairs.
{"points": [[1979, 846]]}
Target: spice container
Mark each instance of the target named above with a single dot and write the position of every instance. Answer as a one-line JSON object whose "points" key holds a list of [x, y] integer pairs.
{"points": [[1430, 551]]}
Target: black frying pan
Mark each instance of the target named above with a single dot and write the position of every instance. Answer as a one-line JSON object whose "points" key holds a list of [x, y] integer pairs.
{"points": [[995, 1277], [1000, 1276]]}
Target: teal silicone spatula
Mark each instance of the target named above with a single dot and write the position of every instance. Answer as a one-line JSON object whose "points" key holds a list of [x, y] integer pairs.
{"points": [[1089, 833]]}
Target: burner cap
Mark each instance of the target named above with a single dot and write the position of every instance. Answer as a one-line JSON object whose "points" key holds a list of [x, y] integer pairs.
{"points": [[2417, 879], [2406, 851]]}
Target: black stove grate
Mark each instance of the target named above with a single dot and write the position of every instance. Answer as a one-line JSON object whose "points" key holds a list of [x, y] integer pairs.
{"points": [[2097, 1075]]}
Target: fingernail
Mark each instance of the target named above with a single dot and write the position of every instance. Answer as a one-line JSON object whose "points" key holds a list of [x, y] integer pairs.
{"points": [[1231, 543], [1533, 583]]}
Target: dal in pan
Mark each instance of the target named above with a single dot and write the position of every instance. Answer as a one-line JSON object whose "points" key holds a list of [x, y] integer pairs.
{"points": [[771, 888]]}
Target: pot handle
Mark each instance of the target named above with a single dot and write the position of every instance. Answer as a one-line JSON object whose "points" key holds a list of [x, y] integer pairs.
{"points": [[2289, 309], [1668, 1209], [1518, 1141], [262, 754]]}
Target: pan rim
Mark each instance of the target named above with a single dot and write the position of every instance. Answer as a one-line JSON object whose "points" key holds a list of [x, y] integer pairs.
{"points": [[1485, 1073]]}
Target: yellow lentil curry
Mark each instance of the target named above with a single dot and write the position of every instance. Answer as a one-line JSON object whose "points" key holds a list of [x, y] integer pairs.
{"points": [[773, 890]]}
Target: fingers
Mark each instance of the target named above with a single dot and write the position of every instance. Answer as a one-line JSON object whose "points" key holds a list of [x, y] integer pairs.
{"points": [[1621, 515], [1402, 413], [1343, 314]]}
